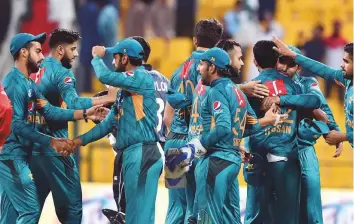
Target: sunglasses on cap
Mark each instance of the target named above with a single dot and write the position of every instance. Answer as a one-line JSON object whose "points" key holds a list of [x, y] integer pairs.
{"points": [[287, 61]]}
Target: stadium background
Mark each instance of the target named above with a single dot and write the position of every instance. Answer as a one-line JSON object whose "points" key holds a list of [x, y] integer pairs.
{"points": [[168, 24]]}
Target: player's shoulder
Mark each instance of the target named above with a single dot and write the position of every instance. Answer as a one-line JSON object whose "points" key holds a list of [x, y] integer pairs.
{"points": [[158, 76], [12, 79], [55, 70]]}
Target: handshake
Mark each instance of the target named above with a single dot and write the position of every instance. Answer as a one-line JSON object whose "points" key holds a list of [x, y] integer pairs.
{"points": [[65, 146]]}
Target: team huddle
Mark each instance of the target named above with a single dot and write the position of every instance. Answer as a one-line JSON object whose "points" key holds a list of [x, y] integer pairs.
{"points": [[199, 128]]}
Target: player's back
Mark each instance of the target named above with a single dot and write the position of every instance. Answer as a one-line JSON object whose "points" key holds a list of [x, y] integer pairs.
{"points": [[161, 84], [184, 80], [280, 139], [137, 112], [196, 120]]}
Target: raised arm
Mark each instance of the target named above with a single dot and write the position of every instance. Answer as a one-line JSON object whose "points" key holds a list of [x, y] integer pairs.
{"points": [[131, 80]]}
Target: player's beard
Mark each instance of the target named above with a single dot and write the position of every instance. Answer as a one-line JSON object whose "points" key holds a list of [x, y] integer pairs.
{"points": [[120, 67], [32, 66], [234, 74], [65, 61], [346, 75]]}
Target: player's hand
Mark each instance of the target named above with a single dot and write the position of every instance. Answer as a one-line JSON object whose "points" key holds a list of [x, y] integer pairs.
{"points": [[320, 115], [267, 103], [255, 89], [339, 149], [112, 94], [334, 137], [273, 117], [63, 146], [282, 48], [245, 156], [97, 113], [98, 51]]}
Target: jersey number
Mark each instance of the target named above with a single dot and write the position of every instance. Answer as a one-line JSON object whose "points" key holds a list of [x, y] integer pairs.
{"points": [[242, 122], [161, 104], [195, 114]]}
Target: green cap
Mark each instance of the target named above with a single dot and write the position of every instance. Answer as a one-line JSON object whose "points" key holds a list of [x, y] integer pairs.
{"points": [[21, 39], [128, 46], [309, 130], [216, 56]]}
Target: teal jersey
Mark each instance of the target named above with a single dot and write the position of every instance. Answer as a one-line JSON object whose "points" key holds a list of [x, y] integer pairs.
{"points": [[57, 84], [311, 86], [336, 76], [226, 115], [281, 139], [135, 110], [23, 94], [196, 124], [184, 80]]}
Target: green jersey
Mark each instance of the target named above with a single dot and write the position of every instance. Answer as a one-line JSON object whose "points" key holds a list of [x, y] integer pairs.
{"points": [[336, 76], [311, 86], [281, 139], [226, 115], [57, 84], [134, 112], [24, 94], [196, 124], [184, 80]]}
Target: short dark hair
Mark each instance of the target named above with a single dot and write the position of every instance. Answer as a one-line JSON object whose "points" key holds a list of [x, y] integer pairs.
{"points": [[17, 55], [227, 44], [264, 54], [349, 49], [134, 61], [63, 36], [208, 32], [146, 46], [223, 72]]}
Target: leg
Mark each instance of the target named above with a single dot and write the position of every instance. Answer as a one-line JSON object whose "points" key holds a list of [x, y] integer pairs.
{"points": [[19, 188], [285, 177], [142, 166], [190, 193], [64, 181], [222, 201], [257, 202], [118, 184], [310, 196], [8, 212], [177, 204], [40, 180]]}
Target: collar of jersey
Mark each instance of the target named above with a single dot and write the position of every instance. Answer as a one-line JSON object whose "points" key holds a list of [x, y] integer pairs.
{"points": [[51, 59], [18, 72], [220, 80]]}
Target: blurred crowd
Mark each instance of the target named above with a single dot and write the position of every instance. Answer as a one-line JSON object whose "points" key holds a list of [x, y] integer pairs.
{"points": [[103, 22]]}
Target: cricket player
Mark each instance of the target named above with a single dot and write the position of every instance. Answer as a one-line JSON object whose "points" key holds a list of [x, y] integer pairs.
{"points": [[134, 114], [342, 77], [51, 171], [276, 149], [224, 118], [161, 87], [310, 196], [207, 33], [16, 179]]}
